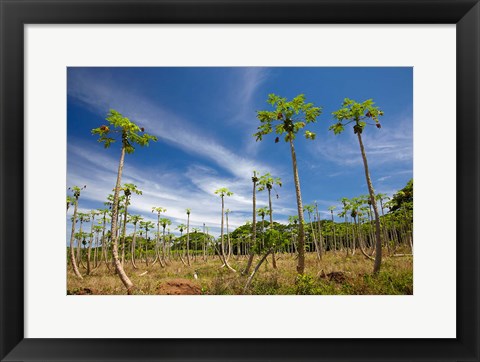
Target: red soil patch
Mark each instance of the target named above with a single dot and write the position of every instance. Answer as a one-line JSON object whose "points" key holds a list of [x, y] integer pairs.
{"points": [[179, 287]]}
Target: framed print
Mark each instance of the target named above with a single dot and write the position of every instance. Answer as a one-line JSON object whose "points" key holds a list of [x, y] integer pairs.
{"points": [[358, 97]]}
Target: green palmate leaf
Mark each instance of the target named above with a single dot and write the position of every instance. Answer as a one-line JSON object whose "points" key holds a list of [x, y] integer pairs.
{"points": [[337, 128], [129, 132], [358, 113], [287, 118], [279, 129]]}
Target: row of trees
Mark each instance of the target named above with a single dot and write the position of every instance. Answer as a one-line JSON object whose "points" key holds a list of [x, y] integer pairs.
{"points": [[362, 226], [355, 232]]}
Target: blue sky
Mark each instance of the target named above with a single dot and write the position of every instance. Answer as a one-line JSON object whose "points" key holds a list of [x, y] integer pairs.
{"points": [[205, 119]]}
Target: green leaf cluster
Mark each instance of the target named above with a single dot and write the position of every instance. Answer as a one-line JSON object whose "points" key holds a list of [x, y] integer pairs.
{"points": [[357, 113], [288, 118], [267, 181], [223, 191], [129, 132]]}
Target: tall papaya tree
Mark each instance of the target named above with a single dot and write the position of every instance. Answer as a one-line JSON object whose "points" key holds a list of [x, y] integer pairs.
{"points": [[360, 115], [146, 225], [103, 212], [93, 213], [262, 212], [331, 208], [82, 217], [134, 219], [97, 229], [128, 190], [268, 182], [188, 236], [287, 119], [229, 244], [76, 190], [254, 223], [159, 211], [310, 209], [222, 192], [164, 222], [130, 134], [180, 228]]}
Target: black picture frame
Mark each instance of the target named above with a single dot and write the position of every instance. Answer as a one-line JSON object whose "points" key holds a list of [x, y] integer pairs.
{"points": [[16, 13]]}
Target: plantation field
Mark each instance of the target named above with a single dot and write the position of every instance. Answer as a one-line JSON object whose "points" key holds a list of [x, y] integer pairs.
{"points": [[336, 274]]}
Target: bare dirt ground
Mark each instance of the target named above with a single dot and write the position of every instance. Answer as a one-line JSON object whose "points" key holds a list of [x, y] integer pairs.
{"points": [[179, 287]]}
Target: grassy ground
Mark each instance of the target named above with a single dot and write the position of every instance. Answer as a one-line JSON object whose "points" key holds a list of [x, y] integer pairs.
{"points": [[335, 274]]}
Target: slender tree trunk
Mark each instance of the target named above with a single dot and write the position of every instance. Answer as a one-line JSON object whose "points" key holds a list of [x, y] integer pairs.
{"points": [[301, 231], [259, 264], [188, 239], [146, 246], [134, 237], [95, 253], [317, 249], [274, 262], [89, 250], [384, 227], [124, 231], [353, 235], [378, 244], [164, 251], [254, 224], [79, 244], [228, 239], [118, 266], [346, 234], [320, 237], [72, 238], [221, 231], [104, 252], [334, 234], [204, 244]]}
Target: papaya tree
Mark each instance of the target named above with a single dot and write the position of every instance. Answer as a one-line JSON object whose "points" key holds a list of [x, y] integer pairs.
{"points": [[134, 219], [82, 217], [159, 211], [229, 244], [262, 212], [97, 229], [254, 223], [93, 213], [146, 225], [130, 134], [310, 209], [188, 236], [360, 115], [76, 190], [164, 222], [287, 119], [331, 209], [104, 213], [180, 228], [222, 192], [128, 190], [268, 182]]}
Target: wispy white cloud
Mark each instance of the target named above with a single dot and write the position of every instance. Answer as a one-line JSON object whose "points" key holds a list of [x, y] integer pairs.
{"points": [[194, 190], [242, 94], [101, 94], [393, 145]]}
